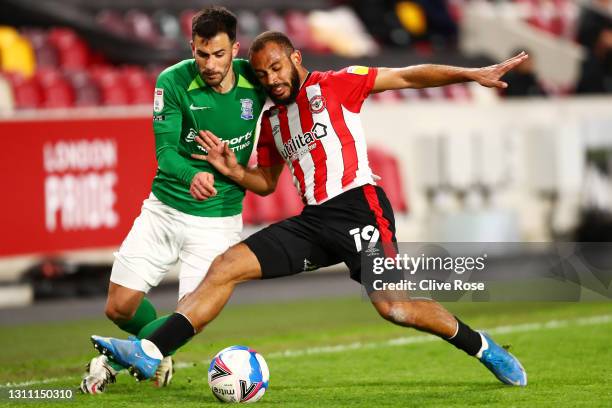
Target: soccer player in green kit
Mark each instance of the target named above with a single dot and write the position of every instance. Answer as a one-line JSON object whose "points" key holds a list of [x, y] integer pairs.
{"points": [[193, 213]]}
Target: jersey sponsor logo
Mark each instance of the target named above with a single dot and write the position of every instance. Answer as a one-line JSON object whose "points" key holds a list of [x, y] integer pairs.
{"points": [[158, 100], [299, 145], [246, 111], [236, 143], [358, 70], [159, 118], [240, 142], [191, 137], [369, 234], [317, 104]]}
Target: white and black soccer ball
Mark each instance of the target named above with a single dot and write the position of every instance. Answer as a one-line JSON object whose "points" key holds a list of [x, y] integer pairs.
{"points": [[238, 374]]}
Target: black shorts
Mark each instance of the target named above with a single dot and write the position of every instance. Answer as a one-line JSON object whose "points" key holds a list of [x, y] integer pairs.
{"points": [[336, 231]]}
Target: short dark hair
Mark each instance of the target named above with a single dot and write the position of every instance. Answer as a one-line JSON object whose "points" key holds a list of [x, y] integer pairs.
{"points": [[271, 36], [213, 20]]}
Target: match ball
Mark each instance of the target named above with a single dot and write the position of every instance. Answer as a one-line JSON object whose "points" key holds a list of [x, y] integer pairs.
{"points": [[238, 374]]}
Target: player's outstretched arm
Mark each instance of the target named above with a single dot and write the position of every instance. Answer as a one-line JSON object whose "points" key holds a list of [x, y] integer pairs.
{"points": [[260, 180], [429, 75]]}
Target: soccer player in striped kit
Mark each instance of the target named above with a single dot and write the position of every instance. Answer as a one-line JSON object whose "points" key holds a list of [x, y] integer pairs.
{"points": [[314, 127]]}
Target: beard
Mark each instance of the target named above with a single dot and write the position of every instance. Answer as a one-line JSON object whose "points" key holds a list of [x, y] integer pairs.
{"points": [[294, 87], [214, 82], [219, 76]]}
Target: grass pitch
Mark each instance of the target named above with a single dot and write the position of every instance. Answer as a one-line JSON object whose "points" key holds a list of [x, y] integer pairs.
{"points": [[339, 353]]}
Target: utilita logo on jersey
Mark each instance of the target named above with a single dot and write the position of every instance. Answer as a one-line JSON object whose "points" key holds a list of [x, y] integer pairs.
{"points": [[296, 147]]}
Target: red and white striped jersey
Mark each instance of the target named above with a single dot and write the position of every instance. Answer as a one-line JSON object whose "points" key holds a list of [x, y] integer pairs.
{"points": [[320, 135]]}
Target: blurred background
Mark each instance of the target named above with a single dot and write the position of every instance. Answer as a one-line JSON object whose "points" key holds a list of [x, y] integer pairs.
{"points": [[459, 163]]}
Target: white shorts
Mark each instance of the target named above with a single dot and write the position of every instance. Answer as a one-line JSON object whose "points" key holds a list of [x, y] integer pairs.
{"points": [[161, 235]]}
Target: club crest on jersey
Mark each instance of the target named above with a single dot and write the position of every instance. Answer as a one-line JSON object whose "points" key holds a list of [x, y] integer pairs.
{"points": [[158, 100], [317, 104], [246, 112]]}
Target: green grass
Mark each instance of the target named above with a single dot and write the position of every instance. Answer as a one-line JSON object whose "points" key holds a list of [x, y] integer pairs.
{"points": [[568, 365]]}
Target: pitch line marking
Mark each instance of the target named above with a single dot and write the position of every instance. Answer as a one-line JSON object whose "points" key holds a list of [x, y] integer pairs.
{"points": [[399, 341]]}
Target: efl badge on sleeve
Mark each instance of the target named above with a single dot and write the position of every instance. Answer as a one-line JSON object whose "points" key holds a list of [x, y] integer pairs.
{"points": [[158, 100], [358, 70], [246, 112]]}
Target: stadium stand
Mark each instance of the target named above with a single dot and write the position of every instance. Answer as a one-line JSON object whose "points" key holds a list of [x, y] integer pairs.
{"points": [[86, 78], [86, 92], [27, 93], [73, 52], [556, 17], [57, 91], [93, 80], [6, 95], [16, 53], [386, 166]]}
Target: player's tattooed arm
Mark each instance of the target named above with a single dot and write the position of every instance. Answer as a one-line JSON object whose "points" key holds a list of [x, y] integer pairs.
{"points": [[260, 180], [430, 75]]}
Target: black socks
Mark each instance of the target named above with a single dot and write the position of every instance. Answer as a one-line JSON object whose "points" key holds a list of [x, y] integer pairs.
{"points": [[177, 330], [174, 333], [466, 339]]}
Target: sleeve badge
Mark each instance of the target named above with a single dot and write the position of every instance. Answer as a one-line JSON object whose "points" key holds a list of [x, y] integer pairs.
{"points": [[358, 70]]}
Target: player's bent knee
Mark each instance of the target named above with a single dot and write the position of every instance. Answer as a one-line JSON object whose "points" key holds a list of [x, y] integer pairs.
{"points": [[220, 272], [122, 302], [118, 313], [396, 312], [235, 265]]}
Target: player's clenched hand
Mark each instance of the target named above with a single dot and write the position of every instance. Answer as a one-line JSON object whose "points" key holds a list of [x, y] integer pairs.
{"points": [[490, 76], [202, 186], [219, 153]]}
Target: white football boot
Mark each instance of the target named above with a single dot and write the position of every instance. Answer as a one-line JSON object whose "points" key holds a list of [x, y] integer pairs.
{"points": [[99, 374], [164, 372]]}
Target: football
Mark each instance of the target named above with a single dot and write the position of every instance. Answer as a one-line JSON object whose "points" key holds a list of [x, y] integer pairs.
{"points": [[238, 374]]}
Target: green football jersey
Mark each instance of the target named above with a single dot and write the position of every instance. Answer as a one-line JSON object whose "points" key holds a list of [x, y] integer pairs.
{"points": [[183, 105]]}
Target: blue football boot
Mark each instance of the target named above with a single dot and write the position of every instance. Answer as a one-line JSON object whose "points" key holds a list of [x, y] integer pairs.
{"points": [[140, 357], [502, 364]]}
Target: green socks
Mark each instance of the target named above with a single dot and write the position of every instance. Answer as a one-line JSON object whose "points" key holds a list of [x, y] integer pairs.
{"points": [[144, 315], [142, 325]]}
